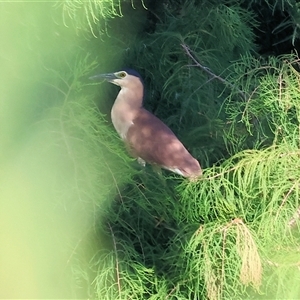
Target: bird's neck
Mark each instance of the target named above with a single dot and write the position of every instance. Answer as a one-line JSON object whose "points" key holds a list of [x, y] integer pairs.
{"points": [[124, 110], [132, 97]]}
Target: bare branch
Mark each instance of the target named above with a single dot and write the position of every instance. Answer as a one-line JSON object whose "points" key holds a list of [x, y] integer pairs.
{"points": [[210, 73]]}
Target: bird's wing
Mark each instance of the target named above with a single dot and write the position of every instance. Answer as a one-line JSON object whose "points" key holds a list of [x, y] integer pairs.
{"points": [[150, 139]]}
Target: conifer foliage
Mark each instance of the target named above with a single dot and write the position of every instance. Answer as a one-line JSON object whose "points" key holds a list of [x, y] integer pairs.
{"points": [[234, 234]]}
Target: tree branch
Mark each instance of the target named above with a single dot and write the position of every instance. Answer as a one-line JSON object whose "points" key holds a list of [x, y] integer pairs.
{"points": [[210, 73]]}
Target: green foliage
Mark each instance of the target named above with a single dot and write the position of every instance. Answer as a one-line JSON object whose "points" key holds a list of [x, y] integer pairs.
{"points": [[90, 15], [289, 25], [211, 238], [97, 160], [230, 235], [273, 4], [270, 114], [184, 96], [221, 237], [291, 22]]}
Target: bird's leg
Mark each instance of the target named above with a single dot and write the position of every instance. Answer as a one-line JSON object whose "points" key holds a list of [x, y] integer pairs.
{"points": [[157, 169]]}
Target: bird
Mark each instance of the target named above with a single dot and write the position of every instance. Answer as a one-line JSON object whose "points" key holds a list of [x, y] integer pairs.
{"points": [[147, 138]]}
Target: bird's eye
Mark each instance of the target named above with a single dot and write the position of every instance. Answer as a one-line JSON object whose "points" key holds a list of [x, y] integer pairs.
{"points": [[122, 74]]}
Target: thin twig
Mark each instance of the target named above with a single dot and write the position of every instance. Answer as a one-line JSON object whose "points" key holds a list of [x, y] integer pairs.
{"points": [[172, 291], [295, 218], [223, 278], [115, 181], [117, 261], [214, 76], [274, 264], [247, 101], [285, 199]]}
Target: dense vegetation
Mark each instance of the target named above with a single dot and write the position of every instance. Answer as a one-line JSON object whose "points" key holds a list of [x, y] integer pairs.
{"points": [[234, 103], [224, 75]]}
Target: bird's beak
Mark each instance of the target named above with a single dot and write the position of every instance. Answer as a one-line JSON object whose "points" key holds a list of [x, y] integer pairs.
{"points": [[108, 76]]}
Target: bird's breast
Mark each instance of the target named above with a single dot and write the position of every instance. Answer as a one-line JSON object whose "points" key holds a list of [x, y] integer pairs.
{"points": [[122, 119]]}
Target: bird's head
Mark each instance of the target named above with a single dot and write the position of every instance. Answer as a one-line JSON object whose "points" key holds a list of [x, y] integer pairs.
{"points": [[126, 78]]}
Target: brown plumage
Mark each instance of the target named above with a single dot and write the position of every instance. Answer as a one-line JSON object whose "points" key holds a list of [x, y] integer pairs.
{"points": [[147, 137]]}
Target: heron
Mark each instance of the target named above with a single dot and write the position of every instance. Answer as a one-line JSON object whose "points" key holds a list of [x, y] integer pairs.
{"points": [[147, 138]]}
